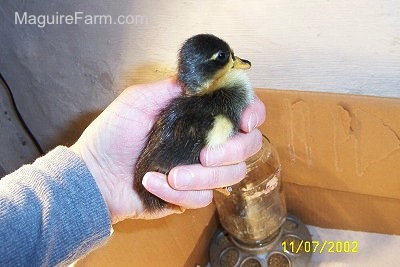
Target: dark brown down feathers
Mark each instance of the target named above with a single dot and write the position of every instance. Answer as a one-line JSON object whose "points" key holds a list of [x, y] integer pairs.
{"points": [[182, 127]]}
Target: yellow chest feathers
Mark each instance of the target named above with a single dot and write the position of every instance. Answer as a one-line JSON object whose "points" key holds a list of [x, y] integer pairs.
{"points": [[220, 132]]}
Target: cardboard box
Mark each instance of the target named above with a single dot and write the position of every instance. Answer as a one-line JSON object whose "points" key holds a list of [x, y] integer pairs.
{"points": [[340, 157]]}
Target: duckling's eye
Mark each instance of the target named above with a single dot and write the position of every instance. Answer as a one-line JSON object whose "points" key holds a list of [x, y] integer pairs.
{"points": [[222, 55]]}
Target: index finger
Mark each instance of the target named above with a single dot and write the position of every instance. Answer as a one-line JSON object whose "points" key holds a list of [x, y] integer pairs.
{"points": [[235, 150]]}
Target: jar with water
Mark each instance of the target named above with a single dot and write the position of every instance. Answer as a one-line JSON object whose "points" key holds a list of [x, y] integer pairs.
{"points": [[254, 210]]}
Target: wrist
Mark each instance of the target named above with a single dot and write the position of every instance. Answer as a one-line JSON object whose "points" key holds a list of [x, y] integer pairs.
{"points": [[95, 172]]}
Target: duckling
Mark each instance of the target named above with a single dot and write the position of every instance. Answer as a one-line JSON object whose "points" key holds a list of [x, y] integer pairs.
{"points": [[216, 90]]}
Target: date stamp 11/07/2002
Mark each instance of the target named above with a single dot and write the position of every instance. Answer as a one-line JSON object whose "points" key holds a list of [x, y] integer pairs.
{"points": [[296, 246]]}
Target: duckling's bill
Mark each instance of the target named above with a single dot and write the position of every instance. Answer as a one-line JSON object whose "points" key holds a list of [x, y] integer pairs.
{"points": [[239, 63]]}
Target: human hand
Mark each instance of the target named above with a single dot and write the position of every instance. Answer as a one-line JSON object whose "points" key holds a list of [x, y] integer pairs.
{"points": [[112, 143]]}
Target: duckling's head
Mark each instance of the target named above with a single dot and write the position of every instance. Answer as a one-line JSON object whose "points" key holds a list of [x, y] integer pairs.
{"points": [[207, 63]]}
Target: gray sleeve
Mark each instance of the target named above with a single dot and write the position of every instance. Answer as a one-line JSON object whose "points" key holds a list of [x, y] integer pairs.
{"points": [[51, 212]]}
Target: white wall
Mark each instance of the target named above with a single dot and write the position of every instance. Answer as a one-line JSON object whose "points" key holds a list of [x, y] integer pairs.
{"points": [[63, 75]]}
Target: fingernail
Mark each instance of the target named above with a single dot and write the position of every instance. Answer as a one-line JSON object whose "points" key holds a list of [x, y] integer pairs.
{"points": [[253, 121], [182, 178], [153, 181], [214, 155]]}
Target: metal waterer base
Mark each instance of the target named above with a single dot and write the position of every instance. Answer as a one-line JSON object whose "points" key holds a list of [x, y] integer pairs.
{"points": [[289, 248]]}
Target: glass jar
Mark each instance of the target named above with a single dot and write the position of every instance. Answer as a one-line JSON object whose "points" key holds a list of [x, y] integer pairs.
{"points": [[254, 210]]}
